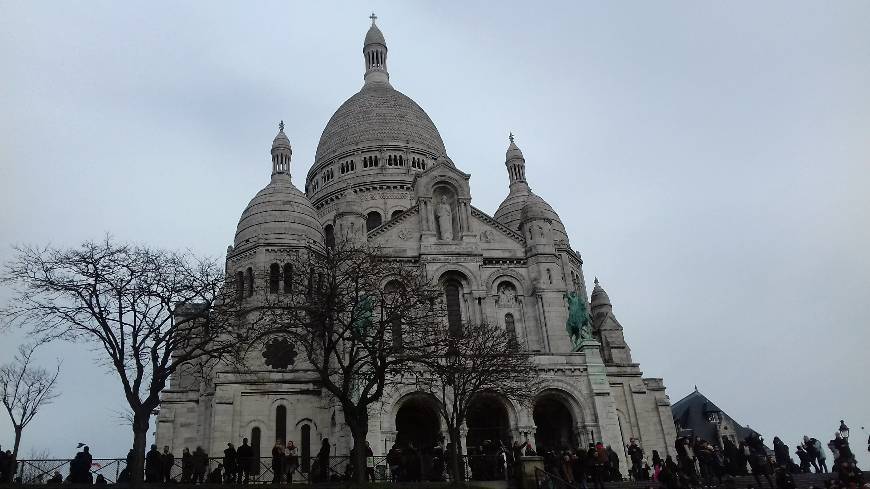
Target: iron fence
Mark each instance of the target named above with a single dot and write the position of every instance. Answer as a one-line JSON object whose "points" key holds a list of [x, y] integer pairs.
{"points": [[339, 468]]}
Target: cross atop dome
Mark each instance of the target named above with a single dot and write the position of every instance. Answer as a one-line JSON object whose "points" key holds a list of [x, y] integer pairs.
{"points": [[281, 126], [373, 17], [511, 136]]}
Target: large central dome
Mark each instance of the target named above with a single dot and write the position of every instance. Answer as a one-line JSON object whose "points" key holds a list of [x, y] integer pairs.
{"points": [[378, 115]]}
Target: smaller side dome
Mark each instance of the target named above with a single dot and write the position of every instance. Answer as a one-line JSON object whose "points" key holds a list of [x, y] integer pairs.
{"points": [[279, 214], [534, 207], [599, 297]]}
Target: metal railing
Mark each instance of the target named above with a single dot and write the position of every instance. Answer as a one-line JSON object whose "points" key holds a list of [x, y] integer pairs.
{"points": [[261, 470]]}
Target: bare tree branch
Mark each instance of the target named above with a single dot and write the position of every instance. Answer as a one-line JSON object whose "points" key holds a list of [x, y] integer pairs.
{"points": [[148, 312], [26, 388]]}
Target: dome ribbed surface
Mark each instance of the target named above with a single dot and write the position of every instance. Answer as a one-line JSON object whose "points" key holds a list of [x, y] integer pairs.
{"points": [[520, 204], [376, 115], [599, 297], [375, 36], [279, 214]]}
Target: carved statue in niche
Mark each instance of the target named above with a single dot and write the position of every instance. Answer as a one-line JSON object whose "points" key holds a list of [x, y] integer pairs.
{"points": [[507, 295], [444, 217]]}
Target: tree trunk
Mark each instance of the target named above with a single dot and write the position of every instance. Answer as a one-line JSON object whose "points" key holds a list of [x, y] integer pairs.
{"points": [[140, 434], [359, 428], [458, 478], [18, 430]]}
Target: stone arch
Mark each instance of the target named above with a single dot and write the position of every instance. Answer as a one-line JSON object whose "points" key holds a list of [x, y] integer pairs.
{"points": [[496, 277], [471, 280], [556, 420], [415, 419], [492, 401]]}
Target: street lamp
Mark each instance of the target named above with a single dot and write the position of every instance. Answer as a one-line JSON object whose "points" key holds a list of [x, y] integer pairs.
{"points": [[844, 430]]}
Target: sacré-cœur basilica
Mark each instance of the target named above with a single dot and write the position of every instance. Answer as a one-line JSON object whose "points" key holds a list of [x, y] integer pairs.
{"points": [[382, 166]]}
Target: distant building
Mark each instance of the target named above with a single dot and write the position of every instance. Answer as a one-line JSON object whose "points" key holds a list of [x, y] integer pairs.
{"points": [[695, 415]]}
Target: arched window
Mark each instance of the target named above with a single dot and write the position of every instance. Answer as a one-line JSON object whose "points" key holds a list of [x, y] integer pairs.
{"points": [[452, 291], [274, 278], [281, 424], [373, 220], [396, 213], [329, 235], [255, 448], [240, 285], [250, 279], [288, 278], [511, 328], [305, 448], [392, 293]]}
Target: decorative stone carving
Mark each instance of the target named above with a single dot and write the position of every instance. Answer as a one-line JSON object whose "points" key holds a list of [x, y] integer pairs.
{"points": [[507, 295]]}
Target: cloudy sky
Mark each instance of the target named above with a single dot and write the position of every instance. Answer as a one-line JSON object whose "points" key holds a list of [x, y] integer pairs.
{"points": [[710, 160]]}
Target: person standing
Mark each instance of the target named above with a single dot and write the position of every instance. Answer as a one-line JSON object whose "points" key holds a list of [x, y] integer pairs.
{"points": [[291, 460], [323, 461], [167, 461], [153, 465], [200, 465], [277, 462], [245, 457], [230, 463], [635, 453], [186, 466]]}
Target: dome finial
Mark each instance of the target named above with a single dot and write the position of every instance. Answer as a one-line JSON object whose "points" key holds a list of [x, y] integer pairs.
{"points": [[511, 136], [373, 17], [281, 126], [596, 280]]}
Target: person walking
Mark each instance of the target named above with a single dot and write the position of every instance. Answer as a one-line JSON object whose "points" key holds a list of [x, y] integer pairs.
{"points": [[635, 453]]}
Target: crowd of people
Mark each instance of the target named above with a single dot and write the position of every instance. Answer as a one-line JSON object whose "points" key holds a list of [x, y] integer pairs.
{"points": [[700, 463], [8, 464], [697, 463]]}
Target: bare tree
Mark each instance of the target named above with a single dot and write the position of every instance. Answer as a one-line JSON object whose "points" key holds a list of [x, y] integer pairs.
{"points": [[148, 312], [26, 388], [468, 362], [359, 320]]}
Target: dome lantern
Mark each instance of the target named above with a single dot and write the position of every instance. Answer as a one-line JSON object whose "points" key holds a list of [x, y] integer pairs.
{"points": [[515, 163], [282, 152], [375, 55]]}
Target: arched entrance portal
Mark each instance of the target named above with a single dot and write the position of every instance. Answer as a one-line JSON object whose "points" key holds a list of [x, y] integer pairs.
{"points": [[417, 423], [554, 424], [487, 419]]}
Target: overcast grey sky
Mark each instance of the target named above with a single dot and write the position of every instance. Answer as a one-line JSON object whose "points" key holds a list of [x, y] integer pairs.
{"points": [[710, 160]]}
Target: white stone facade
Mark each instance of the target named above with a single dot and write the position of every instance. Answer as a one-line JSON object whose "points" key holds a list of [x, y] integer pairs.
{"points": [[381, 169]]}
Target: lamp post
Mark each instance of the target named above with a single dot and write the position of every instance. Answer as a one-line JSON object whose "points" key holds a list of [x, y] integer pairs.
{"points": [[844, 430]]}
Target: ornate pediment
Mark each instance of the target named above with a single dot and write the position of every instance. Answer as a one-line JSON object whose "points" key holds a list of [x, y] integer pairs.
{"points": [[400, 230], [491, 230]]}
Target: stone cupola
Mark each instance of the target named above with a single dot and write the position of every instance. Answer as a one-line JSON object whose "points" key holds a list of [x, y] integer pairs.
{"points": [[375, 54], [282, 152]]}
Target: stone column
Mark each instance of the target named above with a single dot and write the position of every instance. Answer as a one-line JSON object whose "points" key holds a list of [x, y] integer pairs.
{"points": [[604, 403]]}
